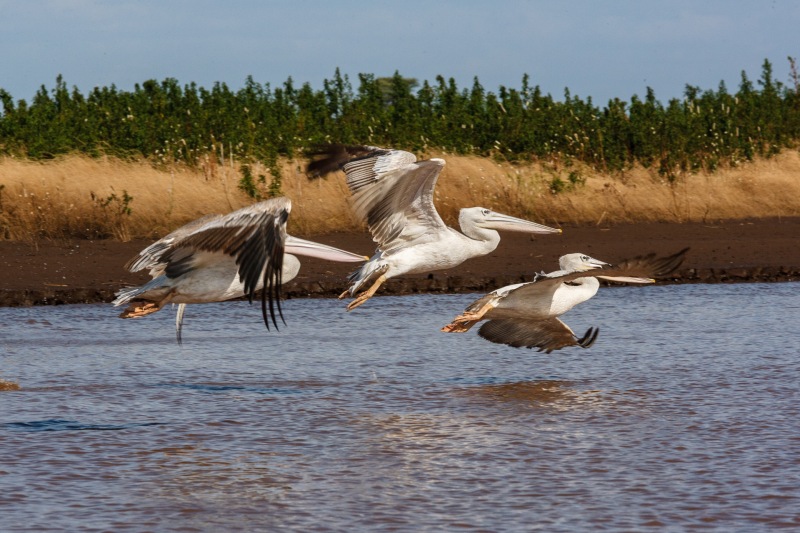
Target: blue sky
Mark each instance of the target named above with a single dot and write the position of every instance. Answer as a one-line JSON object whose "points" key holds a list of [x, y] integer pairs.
{"points": [[599, 49]]}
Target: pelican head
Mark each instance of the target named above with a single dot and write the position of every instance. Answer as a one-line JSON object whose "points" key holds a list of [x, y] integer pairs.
{"points": [[579, 263], [481, 217]]}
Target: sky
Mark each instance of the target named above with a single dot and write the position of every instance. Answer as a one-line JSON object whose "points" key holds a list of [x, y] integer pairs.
{"points": [[608, 49]]}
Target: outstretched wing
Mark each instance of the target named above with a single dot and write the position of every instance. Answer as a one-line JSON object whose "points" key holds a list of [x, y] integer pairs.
{"points": [[643, 266], [546, 335], [392, 191], [254, 236], [152, 257], [533, 296]]}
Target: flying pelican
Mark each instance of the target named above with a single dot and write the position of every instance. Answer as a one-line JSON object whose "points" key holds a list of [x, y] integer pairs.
{"points": [[219, 257], [393, 193], [526, 314]]}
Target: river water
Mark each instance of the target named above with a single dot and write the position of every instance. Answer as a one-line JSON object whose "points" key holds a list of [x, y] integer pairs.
{"points": [[684, 414]]}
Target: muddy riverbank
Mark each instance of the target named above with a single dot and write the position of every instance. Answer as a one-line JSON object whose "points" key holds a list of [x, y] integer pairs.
{"points": [[731, 251]]}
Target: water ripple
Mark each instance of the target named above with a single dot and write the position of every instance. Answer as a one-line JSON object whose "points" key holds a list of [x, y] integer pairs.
{"points": [[683, 415]]}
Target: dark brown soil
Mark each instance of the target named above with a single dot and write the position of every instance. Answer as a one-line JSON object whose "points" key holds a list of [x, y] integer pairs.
{"points": [[732, 251]]}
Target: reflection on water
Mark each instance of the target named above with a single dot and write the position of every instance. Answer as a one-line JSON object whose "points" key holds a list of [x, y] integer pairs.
{"points": [[69, 425], [683, 415], [542, 392]]}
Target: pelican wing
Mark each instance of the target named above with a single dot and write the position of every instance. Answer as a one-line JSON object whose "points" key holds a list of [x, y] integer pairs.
{"points": [[152, 256], [546, 335], [541, 289], [392, 191], [644, 266], [254, 236]]}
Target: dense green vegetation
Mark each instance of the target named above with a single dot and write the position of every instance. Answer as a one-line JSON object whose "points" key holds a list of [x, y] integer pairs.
{"points": [[165, 121]]}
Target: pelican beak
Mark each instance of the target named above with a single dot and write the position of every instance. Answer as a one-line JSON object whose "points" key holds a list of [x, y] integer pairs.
{"points": [[626, 279], [500, 221], [593, 263], [297, 246]]}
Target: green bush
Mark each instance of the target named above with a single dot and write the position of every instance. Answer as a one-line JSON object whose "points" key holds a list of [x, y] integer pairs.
{"points": [[165, 121]]}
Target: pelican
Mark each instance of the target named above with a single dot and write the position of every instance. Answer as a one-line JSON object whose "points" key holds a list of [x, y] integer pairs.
{"points": [[526, 314], [393, 193], [219, 257]]}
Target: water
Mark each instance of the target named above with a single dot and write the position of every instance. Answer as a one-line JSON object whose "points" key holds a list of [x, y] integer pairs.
{"points": [[684, 414]]}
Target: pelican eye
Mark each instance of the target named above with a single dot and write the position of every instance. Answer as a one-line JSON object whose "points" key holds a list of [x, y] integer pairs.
{"points": [[584, 258], [485, 212]]}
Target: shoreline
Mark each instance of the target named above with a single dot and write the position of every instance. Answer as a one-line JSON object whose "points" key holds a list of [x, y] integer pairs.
{"points": [[734, 251]]}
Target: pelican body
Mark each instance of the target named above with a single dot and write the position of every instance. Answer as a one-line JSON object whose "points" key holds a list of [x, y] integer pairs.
{"points": [[220, 257], [526, 314], [393, 193]]}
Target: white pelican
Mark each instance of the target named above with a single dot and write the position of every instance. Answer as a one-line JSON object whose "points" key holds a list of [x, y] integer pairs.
{"points": [[526, 314], [219, 257], [393, 193]]}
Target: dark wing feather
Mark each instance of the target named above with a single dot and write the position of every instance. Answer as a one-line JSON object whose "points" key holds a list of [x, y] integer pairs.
{"points": [[275, 242], [325, 159], [648, 266], [153, 255], [546, 335]]}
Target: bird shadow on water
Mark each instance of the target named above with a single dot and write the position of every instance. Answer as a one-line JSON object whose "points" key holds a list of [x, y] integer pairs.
{"points": [[71, 425], [533, 392], [554, 395]]}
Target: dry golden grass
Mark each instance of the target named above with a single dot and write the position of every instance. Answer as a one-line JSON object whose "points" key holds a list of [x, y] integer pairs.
{"points": [[66, 197], [765, 188], [79, 196]]}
